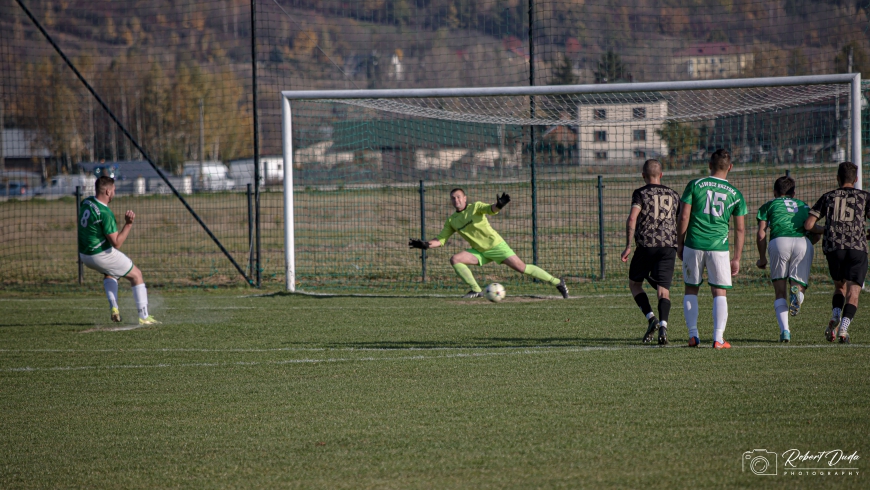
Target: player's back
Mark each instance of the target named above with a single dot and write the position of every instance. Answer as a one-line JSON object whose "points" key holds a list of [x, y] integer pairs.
{"points": [[95, 222], [844, 210], [713, 202], [785, 216], [657, 222]]}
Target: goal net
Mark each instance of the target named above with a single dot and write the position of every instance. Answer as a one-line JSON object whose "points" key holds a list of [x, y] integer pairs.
{"points": [[372, 168]]}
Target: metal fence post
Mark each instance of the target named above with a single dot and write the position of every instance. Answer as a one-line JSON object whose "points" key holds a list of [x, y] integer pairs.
{"points": [[601, 252], [79, 257], [251, 263], [423, 227]]}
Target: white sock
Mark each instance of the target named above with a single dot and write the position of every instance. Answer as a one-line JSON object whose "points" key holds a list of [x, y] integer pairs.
{"points": [[650, 315], [801, 297], [140, 295], [690, 311], [664, 324], [835, 314], [720, 317], [781, 307], [110, 284]]}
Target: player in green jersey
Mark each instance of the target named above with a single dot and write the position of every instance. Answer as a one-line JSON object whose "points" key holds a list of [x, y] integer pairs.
{"points": [[791, 250], [99, 240], [487, 245], [702, 243]]}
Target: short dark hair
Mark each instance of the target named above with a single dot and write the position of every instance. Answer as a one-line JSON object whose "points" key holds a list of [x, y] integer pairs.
{"points": [[103, 183], [847, 173], [784, 186], [652, 168], [720, 159], [460, 189]]}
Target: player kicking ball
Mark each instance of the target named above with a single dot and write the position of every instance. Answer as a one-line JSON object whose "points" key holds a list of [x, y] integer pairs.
{"points": [[99, 241], [653, 224], [487, 245], [702, 243], [845, 246], [790, 247]]}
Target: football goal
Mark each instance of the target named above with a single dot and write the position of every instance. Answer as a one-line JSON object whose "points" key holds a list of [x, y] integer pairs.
{"points": [[367, 169]]}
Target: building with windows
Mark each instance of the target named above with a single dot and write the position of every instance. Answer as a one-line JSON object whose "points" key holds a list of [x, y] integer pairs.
{"points": [[712, 61], [621, 128]]}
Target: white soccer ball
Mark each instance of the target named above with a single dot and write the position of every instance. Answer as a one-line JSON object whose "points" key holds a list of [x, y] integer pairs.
{"points": [[494, 292]]}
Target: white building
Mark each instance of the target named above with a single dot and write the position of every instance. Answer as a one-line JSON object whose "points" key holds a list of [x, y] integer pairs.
{"points": [[621, 128]]}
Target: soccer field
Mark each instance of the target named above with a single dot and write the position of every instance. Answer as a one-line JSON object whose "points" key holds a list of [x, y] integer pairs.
{"points": [[295, 391]]}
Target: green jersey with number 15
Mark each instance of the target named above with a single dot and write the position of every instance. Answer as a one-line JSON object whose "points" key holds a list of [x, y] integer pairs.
{"points": [[713, 202]]}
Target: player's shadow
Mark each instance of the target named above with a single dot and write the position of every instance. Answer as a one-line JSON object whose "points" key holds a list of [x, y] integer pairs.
{"points": [[44, 324], [485, 343]]}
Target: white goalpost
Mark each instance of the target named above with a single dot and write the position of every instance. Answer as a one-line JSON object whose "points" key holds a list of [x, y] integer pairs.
{"points": [[567, 106]]}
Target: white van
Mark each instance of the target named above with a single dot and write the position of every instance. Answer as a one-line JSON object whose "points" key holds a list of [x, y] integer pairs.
{"points": [[65, 185], [209, 176]]}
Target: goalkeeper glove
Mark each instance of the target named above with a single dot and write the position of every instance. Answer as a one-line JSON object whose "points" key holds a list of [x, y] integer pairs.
{"points": [[501, 201], [414, 243]]}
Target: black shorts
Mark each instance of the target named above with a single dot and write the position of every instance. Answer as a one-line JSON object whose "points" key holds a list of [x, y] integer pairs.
{"points": [[848, 265], [655, 264]]}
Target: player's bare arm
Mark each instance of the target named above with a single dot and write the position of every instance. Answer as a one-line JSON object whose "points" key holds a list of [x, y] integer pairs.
{"points": [[630, 225], [682, 226], [118, 238], [739, 238], [761, 242]]}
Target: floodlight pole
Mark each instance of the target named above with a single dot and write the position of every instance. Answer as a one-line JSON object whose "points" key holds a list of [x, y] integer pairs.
{"points": [[856, 126], [289, 225]]}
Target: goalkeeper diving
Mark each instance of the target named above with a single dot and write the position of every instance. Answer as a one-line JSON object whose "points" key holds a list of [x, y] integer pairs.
{"points": [[487, 245]]}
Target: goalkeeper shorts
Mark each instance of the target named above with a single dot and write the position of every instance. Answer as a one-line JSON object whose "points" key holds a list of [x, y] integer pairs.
{"points": [[112, 262], [497, 254]]}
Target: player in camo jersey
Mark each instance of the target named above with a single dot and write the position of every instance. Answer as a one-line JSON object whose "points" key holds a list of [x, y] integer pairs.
{"points": [[702, 243], [99, 241], [791, 249], [652, 223], [845, 246]]}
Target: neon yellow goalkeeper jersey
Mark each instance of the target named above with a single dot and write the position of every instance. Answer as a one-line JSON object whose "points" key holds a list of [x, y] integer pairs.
{"points": [[96, 221], [472, 224]]}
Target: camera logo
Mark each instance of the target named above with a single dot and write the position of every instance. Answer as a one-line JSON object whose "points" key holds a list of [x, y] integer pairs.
{"points": [[760, 462]]}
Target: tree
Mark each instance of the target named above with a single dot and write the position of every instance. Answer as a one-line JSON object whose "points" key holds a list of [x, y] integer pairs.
{"points": [[611, 69], [564, 73], [681, 138]]}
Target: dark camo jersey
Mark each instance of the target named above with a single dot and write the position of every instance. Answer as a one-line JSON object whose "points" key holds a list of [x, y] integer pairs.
{"points": [[844, 211], [657, 222]]}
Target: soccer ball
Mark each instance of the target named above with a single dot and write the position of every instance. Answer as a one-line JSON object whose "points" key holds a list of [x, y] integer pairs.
{"points": [[494, 292]]}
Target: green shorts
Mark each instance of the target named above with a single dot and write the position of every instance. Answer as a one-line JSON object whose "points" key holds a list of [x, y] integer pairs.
{"points": [[497, 254]]}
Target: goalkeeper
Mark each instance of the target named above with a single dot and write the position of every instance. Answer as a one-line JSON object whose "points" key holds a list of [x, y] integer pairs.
{"points": [[486, 244]]}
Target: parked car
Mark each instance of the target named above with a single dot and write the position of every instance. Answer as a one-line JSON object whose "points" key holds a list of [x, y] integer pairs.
{"points": [[209, 176], [14, 188], [65, 185]]}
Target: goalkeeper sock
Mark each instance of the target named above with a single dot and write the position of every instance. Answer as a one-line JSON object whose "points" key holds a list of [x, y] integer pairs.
{"points": [[140, 295], [720, 317], [541, 274], [643, 303], [690, 311], [781, 308], [464, 272], [664, 310], [110, 284]]}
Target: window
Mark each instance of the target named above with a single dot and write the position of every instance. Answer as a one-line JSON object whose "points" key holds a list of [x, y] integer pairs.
{"points": [[599, 114], [638, 135], [639, 154], [601, 155], [601, 136], [638, 113]]}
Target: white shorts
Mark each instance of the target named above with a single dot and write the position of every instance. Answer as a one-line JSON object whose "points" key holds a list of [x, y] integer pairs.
{"points": [[790, 258], [112, 262], [718, 265]]}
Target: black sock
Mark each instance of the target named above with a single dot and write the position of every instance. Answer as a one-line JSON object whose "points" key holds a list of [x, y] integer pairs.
{"points": [[664, 309], [849, 311], [838, 300], [643, 302]]}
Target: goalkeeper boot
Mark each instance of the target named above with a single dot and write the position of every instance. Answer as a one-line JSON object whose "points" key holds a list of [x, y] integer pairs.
{"points": [[721, 345], [473, 294], [831, 331], [794, 304], [150, 320], [116, 315], [563, 288], [652, 326], [785, 336], [663, 334]]}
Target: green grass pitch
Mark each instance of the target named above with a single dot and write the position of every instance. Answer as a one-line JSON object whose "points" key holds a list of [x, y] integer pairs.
{"points": [[303, 392]]}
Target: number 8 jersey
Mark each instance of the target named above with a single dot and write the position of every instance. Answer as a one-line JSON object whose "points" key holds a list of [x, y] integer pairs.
{"points": [[844, 210], [713, 202]]}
